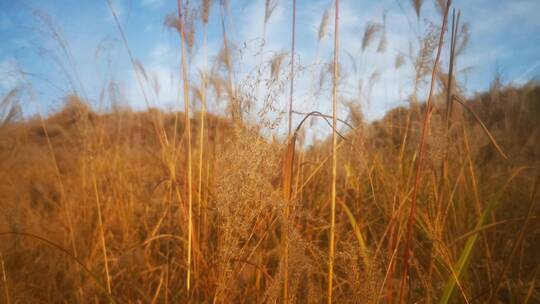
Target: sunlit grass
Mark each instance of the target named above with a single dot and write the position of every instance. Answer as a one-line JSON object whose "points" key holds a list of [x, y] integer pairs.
{"points": [[434, 202]]}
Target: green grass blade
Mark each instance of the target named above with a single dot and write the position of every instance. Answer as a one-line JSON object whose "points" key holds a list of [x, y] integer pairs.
{"points": [[471, 241]]}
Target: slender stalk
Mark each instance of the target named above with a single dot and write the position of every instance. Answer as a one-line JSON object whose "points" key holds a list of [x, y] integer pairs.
{"points": [[443, 187], [419, 163], [4, 278], [161, 134], [334, 155], [293, 40], [451, 65], [102, 234], [202, 122], [63, 197], [236, 108], [66, 206], [287, 194], [188, 144], [201, 137], [289, 163]]}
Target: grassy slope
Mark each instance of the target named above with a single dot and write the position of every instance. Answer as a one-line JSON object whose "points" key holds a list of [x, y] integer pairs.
{"points": [[116, 161]]}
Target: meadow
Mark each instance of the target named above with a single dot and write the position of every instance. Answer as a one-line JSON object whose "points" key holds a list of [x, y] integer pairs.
{"points": [[436, 202]]}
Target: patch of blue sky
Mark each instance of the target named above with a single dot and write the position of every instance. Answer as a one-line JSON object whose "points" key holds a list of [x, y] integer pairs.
{"points": [[88, 54]]}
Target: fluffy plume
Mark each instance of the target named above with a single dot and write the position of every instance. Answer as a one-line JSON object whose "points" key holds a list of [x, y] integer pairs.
{"points": [[172, 21], [441, 6], [269, 7], [381, 48], [400, 60], [417, 5], [9, 108], [206, 4], [462, 39], [372, 29], [275, 64], [323, 26]]}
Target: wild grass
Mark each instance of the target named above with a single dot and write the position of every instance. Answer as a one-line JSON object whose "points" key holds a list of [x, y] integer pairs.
{"points": [[436, 202]]}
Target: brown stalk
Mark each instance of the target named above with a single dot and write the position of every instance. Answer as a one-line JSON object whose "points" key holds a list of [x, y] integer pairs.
{"points": [[63, 197], [4, 279], [205, 15], [287, 194], [484, 128], [293, 40], [419, 163], [102, 233], [188, 143], [289, 163], [451, 65], [334, 156], [235, 107], [326, 117], [443, 181], [287, 178]]}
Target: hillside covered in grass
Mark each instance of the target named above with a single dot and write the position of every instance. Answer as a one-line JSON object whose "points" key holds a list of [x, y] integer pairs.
{"points": [[94, 207], [269, 151]]}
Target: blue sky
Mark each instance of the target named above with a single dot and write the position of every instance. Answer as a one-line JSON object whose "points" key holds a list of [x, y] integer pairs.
{"points": [[88, 54]]}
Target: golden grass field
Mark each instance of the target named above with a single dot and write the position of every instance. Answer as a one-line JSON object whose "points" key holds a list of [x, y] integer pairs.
{"points": [[436, 202]]}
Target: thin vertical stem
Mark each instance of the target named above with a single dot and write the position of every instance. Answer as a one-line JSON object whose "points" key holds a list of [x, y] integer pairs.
{"points": [[188, 144], [202, 121], [451, 65], [102, 234], [289, 165], [159, 132], [421, 152], [293, 40], [235, 106], [334, 154], [4, 278]]}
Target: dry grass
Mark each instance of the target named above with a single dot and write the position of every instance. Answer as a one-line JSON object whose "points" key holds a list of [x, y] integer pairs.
{"points": [[129, 223], [153, 206]]}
